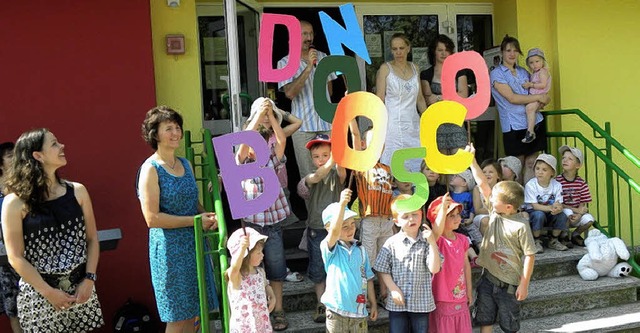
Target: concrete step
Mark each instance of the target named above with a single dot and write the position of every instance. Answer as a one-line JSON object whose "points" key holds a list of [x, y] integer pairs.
{"points": [[565, 294], [301, 322], [622, 318], [563, 304], [300, 296]]}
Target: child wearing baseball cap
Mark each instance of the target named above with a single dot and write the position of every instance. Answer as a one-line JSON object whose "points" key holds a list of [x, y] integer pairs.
{"points": [[452, 286], [543, 196], [319, 188], [349, 284], [575, 193], [250, 295]]}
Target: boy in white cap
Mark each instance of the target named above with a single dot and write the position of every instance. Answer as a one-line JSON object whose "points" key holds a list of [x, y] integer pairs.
{"points": [[540, 84], [349, 274], [575, 193], [511, 168], [543, 196]]}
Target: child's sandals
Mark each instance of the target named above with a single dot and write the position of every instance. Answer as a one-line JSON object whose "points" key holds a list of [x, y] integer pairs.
{"points": [[279, 322]]}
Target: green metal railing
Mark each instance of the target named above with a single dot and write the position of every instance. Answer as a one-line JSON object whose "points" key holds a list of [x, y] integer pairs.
{"points": [[210, 244], [613, 189]]}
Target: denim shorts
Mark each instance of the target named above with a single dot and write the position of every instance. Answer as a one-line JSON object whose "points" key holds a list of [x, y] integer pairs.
{"points": [[275, 264], [316, 271], [495, 302]]}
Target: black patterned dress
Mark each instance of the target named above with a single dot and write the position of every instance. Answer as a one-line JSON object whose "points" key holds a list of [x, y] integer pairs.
{"points": [[55, 244]]}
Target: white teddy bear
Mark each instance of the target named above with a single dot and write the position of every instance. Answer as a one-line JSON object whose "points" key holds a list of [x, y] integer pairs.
{"points": [[602, 257]]}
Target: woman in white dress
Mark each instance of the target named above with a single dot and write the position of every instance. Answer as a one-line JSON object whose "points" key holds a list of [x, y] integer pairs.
{"points": [[398, 85]]}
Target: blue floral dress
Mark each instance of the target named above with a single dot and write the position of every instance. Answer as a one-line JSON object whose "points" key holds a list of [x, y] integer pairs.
{"points": [[172, 251]]}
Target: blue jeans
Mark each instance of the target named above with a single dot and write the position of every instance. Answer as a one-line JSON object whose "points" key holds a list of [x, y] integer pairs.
{"points": [[316, 271], [405, 322], [539, 219], [496, 302], [275, 264]]}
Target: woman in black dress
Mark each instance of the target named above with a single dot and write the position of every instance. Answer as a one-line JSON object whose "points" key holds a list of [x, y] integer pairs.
{"points": [[450, 137], [51, 239]]}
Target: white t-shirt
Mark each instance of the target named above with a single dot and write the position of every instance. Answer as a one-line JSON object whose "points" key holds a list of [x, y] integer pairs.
{"points": [[534, 193]]}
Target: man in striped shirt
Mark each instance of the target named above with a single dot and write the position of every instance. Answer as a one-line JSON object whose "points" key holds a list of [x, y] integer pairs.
{"points": [[575, 193], [299, 89]]}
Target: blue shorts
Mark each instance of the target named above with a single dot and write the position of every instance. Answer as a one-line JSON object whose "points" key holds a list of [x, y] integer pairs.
{"points": [[275, 264], [316, 271], [494, 301]]}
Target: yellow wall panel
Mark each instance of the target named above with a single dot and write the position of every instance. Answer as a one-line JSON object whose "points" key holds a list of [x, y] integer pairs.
{"points": [[177, 77]]}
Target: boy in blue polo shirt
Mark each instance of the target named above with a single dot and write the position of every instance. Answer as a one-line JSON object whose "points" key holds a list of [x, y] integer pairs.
{"points": [[349, 275]]}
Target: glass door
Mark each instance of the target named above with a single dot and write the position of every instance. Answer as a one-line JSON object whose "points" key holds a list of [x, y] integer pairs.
{"points": [[228, 63], [473, 31], [380, 22]]}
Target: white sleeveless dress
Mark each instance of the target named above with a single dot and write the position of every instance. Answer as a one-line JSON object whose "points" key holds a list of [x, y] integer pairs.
{"points": [[403, 128]]}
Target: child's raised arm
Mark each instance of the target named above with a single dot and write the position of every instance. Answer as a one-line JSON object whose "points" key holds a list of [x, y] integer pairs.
{"points": [[335, 228], [243, 151], [478, 175], [355, 134], [294, 123], [281, 137], [233, 272], [321, 172], [438, 224]]}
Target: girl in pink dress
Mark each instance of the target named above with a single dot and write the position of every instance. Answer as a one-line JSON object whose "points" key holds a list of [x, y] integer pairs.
{"points": [[452, 289], [250, 296]]}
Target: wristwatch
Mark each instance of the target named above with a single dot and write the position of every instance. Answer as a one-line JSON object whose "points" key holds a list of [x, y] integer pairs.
{"points": [[91, 276]]}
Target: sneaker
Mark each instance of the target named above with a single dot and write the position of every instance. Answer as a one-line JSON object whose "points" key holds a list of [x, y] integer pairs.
{"points": [[529, 137], [566, 242], [320, 315], [555, 244], [577, 240], [538, 245]]}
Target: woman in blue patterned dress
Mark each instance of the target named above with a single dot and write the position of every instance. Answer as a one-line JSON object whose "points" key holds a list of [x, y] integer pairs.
{"points": [[51, 238], [169, 199], [8, 276]]}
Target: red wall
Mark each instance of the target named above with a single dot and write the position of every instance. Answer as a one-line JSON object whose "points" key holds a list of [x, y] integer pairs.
{"points": [[84, 69]]}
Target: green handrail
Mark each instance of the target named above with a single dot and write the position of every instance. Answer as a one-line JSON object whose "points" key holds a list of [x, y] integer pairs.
{"points": [[215, 239], [597, 129], [610, 169]]}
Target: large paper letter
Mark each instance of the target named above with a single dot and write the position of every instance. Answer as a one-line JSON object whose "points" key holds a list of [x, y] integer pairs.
{"points": [[358, 104], [265, 47], [351, 37], [233, 174], [420, 196], [477, 104], [349, 68], [437, 114]]}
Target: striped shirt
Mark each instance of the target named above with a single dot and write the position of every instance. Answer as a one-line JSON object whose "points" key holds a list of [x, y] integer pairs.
{"points": [[302, 105], [375, 191], [405, 259], [574, 192], [512, 116]]}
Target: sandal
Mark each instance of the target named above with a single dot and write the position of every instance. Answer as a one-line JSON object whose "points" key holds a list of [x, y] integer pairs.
{"points": [[294, 276], [279, 322]]}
